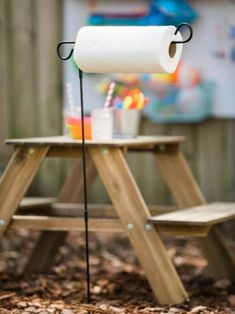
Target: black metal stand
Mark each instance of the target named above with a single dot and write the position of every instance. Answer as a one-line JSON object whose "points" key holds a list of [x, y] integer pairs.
{"points": [[86, 214]]}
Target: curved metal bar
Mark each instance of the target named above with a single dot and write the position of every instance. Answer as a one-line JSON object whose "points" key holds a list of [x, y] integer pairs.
{"points": [[61, 44], [190, 33]]}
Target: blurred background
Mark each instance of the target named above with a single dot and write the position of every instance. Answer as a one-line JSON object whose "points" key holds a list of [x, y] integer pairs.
{"points": [[198, 101]]}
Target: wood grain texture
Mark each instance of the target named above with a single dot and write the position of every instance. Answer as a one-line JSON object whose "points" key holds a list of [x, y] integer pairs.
{"points": [[212, 159], [187, 193], [36, 202], [49, 206], [151, 185], [30, 89], [16, 179], [107, 210], [141, 141], [49, 93], [65, 223], [183, 231], [4, 82], [179, 179], [49, 241], [229, 191], [204, 215], [24, 120], [122, 189]]}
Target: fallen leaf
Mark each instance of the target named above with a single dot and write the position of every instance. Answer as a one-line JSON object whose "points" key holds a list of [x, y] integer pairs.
{"points": [[7, 295], [198, 309]]}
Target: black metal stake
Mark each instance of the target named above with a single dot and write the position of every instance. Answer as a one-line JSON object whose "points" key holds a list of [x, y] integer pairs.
{"points": [[86, 216]]}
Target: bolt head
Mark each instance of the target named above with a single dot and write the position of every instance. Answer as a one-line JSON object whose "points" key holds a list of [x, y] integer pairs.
{"points": [[2, 222], [130, 226], [105, 151], [31, 151], [148, 227]]}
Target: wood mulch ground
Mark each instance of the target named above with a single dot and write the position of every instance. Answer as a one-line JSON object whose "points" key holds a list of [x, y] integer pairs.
{"points": [[118, 282]]}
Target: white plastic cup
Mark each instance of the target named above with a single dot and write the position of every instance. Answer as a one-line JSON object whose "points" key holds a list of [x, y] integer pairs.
{"points": [[102, 123]]}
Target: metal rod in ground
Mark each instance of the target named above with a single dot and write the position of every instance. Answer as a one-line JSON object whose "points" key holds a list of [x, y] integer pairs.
{"points": [[86, 216]]}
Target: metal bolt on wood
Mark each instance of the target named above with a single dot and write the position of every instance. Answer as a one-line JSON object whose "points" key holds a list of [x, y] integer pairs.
{"points": [[31, 151], [148, 227], [130, 226], [105, 151], [2, 222]]}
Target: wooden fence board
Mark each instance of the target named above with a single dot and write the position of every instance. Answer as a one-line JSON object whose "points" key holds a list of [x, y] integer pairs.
{"points": [[230, 162], [4, 103], [144, 169], [22, 90], [188, 147], [49, 93], [212, 159]]}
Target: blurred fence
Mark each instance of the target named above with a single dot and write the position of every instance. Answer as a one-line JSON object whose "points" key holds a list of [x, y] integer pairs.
{"points": [[31, 105], [30, 76]]}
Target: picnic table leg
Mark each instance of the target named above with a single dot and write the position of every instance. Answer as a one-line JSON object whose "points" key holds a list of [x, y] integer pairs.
{"points": [[16, 179], [180, 180], [122, 189], [43, 254]]}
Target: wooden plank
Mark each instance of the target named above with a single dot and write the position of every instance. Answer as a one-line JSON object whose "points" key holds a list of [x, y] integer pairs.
{"points": [[65, 224], [16, 179], [141, 141], [43, 254], [95, 225], [189, 147], [49, 66], [49, 94], [4, 79], [204, 215], [211, 156], [192, 231], [76, 210], [230, 164], [24, 119], [67, 152], [72, 191], [107, 210], [152, 186], [179, 179], [122, 189], [36, 202], [187, 193], [22, 91]]}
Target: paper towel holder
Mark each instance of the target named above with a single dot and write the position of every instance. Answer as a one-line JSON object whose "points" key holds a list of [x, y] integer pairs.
{"points": [[62, 57], [59, 53], [190, 33]]}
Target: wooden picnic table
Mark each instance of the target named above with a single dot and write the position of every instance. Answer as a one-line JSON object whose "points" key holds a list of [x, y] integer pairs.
{"points": [[128, 212]]}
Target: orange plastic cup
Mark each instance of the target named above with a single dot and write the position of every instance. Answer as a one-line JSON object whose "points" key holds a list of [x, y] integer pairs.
{"points": [[75, 127]]}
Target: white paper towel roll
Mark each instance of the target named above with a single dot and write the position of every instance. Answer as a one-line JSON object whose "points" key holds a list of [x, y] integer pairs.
{"points": [[131, 49]]}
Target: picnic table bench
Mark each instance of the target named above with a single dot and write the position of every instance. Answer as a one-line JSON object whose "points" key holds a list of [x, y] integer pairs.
{"points": [[128, 212]]}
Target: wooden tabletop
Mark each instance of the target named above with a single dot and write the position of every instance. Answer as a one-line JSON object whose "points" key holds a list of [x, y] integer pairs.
{"points": [[141, 141]]}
